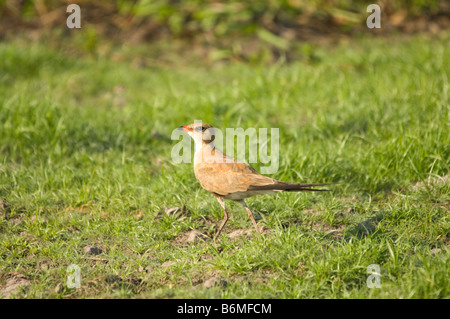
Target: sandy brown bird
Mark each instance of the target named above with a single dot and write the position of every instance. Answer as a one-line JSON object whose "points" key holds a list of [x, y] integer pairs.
{"points": [[228, 178]]}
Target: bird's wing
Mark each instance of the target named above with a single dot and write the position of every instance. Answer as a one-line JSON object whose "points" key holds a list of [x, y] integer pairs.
{"points": [[228, 178]]}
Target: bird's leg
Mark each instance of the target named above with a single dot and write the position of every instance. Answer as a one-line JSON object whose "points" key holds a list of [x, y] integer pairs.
{"points": [[250, 214], [225, 216]]}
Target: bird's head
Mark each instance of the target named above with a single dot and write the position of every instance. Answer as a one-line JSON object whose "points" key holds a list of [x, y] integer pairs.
{"points": [[200, 132]]}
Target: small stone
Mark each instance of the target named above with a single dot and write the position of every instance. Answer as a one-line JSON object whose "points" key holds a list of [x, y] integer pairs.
{"points": [[58, 288], [36, 218], [214, 281], [194, 235], [3, 205], [174, 211], [435, 251], [350, 210], [240, 232], [168, 263], [92, 250]]}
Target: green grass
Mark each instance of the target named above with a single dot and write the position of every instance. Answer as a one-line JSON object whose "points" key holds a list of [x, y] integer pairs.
{"points": [[85, 160]]}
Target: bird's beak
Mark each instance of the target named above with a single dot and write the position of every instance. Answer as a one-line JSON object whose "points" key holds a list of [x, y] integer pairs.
{"points": [[184, 128]]}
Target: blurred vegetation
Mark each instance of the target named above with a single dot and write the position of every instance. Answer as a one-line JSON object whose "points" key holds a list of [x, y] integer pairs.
{"points": [[208, 30], [215, 18]]}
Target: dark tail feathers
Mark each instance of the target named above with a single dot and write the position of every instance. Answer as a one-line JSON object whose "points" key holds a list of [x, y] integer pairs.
{"points": [[292, 187]]}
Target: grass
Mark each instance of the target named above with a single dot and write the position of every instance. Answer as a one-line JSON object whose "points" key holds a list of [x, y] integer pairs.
{"points": [[85, 160]]}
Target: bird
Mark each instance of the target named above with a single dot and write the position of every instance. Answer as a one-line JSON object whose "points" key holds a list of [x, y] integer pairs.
{"points": [[230, 179]]}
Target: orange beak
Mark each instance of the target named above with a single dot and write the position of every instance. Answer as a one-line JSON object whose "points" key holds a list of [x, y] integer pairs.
{"points": [[184, 128]]}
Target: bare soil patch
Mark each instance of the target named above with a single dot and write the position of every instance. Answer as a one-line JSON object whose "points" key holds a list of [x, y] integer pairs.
{"points": [[14, 282]]}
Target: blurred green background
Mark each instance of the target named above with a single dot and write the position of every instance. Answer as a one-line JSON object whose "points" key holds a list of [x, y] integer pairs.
{"points": [[216, 30]]}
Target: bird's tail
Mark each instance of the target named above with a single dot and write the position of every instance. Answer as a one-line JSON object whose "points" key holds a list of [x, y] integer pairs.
{"points": [[292, 187]]}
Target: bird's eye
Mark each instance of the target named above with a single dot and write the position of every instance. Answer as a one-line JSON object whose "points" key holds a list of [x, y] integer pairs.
{"points": [[200, 128]]}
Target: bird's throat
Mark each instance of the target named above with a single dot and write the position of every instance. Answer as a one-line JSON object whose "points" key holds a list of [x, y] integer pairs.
{"points": [[203, 152]]}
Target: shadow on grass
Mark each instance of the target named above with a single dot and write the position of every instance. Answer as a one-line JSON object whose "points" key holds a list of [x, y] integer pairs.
{"points": [[365, 228]]}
